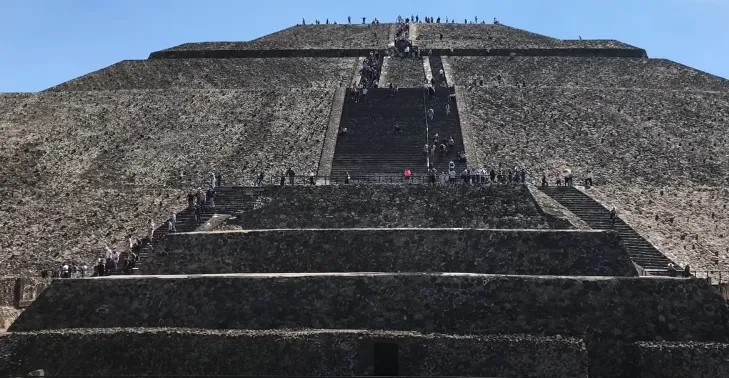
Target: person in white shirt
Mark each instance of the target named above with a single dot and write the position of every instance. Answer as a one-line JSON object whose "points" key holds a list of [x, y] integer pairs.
{"points": [[588, 179]]}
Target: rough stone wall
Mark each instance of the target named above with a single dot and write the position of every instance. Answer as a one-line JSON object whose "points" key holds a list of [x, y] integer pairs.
{"points": [[689, 224], [311, 353], [405, 73], [575, 253], [96, 166], [681, 360], [584, 72], [252, 73], [638, 136], [7, 291], [388, 206], [620, 308], [307, 37]]}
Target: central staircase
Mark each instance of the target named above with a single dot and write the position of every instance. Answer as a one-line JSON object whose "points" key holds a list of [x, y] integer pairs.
{"points": [[597, 217], [372, 146]]}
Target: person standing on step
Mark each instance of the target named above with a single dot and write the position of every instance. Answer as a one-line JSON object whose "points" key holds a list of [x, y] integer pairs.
{"points": [[432, 150], [426, 149], [346, 177], [210, 197], [441, 75], [364, 94], [448, 108], [613, 215], [219, 180], [290, 173], [198, 213], [151, 230], [173, 217], [283, 180], [171, 227], [349, 20], [588, 179], [259, 181], [311, 179], [212, 179], [431, 114], [523, 174]]}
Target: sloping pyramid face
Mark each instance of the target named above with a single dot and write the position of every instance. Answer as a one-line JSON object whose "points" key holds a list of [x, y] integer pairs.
{"points": [[348, 268]]}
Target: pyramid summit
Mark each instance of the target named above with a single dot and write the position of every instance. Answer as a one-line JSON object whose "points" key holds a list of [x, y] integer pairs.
{"points": [[409, 198]]}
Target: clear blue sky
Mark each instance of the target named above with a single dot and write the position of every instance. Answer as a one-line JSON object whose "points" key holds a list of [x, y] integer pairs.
{"points": [[46, 42]]}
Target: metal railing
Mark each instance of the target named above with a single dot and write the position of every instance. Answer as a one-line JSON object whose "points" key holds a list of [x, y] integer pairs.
{"points": [[384, 178]]}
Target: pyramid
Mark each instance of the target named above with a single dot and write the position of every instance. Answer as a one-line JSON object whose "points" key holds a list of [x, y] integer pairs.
{"points": [[350, 267]]}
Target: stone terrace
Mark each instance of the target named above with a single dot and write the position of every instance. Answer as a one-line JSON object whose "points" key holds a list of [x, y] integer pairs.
{"points": [[654, 137], [107, 352], [585, 72], [582, 253], [376, 37], [254, 73], [389, 206], [102, 163], [405, 73]]}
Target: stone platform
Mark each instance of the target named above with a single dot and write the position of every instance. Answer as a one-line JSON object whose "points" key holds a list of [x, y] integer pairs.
{"points": [[529, 252], [157, 351]]}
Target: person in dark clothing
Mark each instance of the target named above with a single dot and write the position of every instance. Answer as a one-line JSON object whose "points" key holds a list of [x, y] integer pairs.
{"points": [[259, 182], [544, 180], [219, 180], [99, 269], [492, 175], [290, 173], [613, 215], [523, 176], [687, 271], [671, 270], [190, 200], [198, 213], [283, 180]]}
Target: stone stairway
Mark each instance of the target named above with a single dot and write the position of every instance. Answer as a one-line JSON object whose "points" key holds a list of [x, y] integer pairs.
{"points": [[228, 200], [436, 64], [597, 217], [371, 145]]}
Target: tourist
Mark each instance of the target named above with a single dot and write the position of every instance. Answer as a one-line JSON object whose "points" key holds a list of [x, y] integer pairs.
{"points": [[465, 176], [433, 147], [212, 179], [671, 270], [283, 180], [588, 179], [448, 108], [210, 197], [364, 93], [198, 213], [99, 269], [84, 268], [219, 180], [115, 259], [523, 176], [426, 148], [687, 271], [398, 129], [171, 226], [290, 173], [544, 180], [259, 181], [173, 217], [364, 19], [431, 114], [190, 200], [64, 271], [311, 179], [349, 20], [346, 178], [613, 215]]}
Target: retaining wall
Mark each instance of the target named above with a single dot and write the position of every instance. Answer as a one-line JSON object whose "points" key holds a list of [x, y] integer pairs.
{"points": [[529, 252], [680, 360], [390, 206], [304, 353]]}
